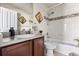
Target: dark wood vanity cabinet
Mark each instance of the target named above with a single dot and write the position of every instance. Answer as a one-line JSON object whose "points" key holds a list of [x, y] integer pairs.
{"points": [[39, 47], [34, 47], [21, 49]]}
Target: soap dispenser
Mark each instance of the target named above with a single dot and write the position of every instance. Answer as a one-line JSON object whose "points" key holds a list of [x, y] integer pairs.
{"points": [[12, 32]]}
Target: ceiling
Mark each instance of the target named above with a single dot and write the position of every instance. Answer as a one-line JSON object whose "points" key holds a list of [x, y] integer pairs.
{"points": [[28, 7], [49, 5]]}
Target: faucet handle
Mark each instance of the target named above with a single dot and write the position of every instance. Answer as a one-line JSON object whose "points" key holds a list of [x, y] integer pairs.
{"points": [[77, 40]]}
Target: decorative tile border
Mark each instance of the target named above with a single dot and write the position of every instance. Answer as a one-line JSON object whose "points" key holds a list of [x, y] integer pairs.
{"points": [[63, 17]]}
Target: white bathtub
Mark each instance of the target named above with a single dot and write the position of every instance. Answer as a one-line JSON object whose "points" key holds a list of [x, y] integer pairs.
{"points": [[66, 48]]}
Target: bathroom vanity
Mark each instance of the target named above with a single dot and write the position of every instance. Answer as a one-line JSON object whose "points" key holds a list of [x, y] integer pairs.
{"points": [[31, 46]]}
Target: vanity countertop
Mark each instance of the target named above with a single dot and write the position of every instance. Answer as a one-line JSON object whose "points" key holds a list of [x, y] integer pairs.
{"points": [[8, 41]]}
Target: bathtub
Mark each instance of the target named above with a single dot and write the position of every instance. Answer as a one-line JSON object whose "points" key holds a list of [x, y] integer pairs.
{"points": [[66, 48]]}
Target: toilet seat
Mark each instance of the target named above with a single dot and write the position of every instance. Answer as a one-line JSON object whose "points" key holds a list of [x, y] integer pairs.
{"points": [[49, 45]]}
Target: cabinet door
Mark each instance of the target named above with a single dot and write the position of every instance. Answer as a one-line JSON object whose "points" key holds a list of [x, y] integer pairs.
{"points": [[21, 49], [15, 20], [0, 19], [4, 18], [9, 19], [39, 47], [12, 18]]}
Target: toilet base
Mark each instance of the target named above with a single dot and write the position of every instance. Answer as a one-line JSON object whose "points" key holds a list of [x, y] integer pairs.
{"points": [[49, 48], [49, 52]]}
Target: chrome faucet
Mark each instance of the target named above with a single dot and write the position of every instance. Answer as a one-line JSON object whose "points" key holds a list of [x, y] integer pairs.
{"points": [[77, 41]]}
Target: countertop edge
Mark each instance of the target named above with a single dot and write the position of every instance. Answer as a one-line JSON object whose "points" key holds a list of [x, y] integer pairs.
{"points": [[19, 41]]}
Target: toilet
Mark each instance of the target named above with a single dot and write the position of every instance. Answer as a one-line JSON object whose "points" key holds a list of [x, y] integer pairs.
{"points": [[49, 46]]}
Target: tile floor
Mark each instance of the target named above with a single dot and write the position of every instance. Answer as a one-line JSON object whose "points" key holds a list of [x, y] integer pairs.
{"points": [[58, 54], [55, 53]]}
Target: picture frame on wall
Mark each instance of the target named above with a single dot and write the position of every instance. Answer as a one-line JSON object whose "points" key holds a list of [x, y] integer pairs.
{"points": [[22, 19], [39, 17]]}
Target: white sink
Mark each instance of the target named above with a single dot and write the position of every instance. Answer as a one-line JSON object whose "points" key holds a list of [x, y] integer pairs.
{"points": [[17, 37], [6, 40], [24, 36]]}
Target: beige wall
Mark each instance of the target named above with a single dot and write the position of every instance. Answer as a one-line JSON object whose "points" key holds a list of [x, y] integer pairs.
{"points": [[40, 8]]}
